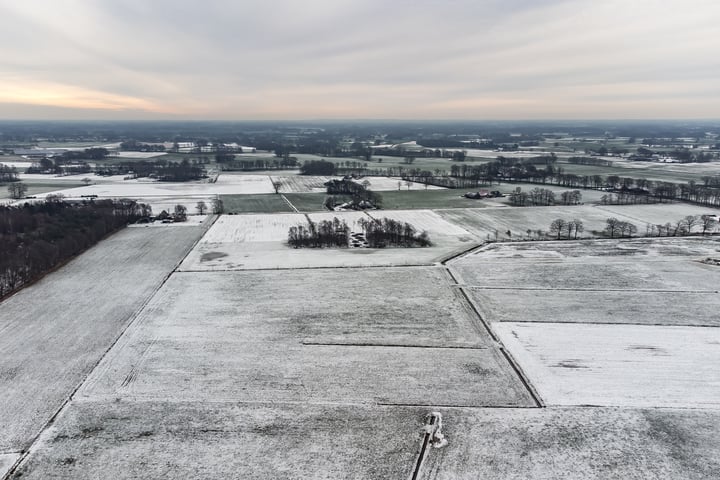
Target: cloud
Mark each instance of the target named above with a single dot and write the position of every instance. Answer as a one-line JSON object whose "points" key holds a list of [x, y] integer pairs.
{"points": [[352, 58]]}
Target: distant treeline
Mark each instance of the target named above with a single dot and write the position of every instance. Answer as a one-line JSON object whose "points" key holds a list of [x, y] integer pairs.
{"points": [[163, 170], [34, 238], [229, 162], [8, 174]]}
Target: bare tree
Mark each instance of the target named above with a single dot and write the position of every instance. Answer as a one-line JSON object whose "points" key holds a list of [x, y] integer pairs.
{"points": [[709, 223], [557, 226], [276, 185], [17, 190], [690, 221], [217, 206], [201, 207], [612, 226], [180, 213]]}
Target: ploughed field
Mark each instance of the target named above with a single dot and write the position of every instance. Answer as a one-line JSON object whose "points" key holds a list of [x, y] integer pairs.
{"points": [[242, 357]]}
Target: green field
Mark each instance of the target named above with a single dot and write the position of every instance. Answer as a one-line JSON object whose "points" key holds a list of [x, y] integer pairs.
{"points": [[260, 203]]}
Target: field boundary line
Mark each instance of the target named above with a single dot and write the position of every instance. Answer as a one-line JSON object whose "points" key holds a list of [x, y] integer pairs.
{"points": [[566, 289], [458, 255], [289, 203], [392, 345], [132, 319], [516, 368], [441, 405], [614, 324], [273, 269]]}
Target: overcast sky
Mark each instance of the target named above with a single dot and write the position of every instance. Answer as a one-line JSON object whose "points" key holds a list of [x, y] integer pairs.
{"points": [[391, 59]]}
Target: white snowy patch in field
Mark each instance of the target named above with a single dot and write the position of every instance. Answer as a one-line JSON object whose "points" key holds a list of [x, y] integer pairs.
{"points": [[618, 365], [136, 154], [253, 228], [422, 220], [239, 242], [18, 165], [301, 183]]}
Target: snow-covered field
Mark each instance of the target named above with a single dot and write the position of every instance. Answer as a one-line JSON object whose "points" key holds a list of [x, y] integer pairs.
{"points": [[297, 336], [55, 331], [618, 365], [485, 221], [300, 183], [241, 242], [576, 443]]}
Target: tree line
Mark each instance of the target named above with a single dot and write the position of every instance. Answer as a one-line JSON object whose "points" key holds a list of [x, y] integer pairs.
{"points": [[36, 237]]}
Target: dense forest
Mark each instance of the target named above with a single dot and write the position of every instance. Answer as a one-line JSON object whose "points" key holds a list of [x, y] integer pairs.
{"points": [[35, 238]]}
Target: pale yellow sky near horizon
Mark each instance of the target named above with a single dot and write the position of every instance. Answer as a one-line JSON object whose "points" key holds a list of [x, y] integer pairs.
{"points": [[453, 59]]}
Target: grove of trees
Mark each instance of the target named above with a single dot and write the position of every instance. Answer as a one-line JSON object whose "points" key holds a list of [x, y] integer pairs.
{"points": [[36, 237]]}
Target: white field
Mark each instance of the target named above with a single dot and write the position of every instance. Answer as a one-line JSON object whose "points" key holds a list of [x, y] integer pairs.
{"points": [[484, 222], [19, 165], [618, 365], [659, 213], [299, 337], [351, 218], [301, 183], [576, 443], [242, 242], [423, 220], [641, 281], [54, 332]]}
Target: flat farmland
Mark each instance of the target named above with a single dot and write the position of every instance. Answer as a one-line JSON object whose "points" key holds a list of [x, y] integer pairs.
{"points": [[307, 202], [262, 203], [54, 332], [251, 242], [228, 440], [611, 307], [254, 342], [381, 184], [618, 365], [576, 443], [659, 213], [642, 281], [301, 183], [484, 222]]}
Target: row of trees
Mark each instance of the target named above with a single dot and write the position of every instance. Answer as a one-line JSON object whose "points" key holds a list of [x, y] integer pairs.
{"points": [[569, 228], [35, 238], [163, 170], [543, 197]]}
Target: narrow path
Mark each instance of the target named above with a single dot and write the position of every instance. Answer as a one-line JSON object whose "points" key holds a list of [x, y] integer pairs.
{"points": [[289, 203]]}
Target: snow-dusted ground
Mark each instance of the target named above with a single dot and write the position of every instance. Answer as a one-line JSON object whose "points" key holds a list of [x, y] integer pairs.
{"points": [[297, 336], [54, 332], [21, 166], [7, 460], [618, 365], [240, 242], [301, 183], [485, 221], [576, 444]]}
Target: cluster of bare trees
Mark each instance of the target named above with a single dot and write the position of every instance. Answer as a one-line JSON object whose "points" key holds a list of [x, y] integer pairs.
{"points": [[8, 174], [569, 228], [34, 238], [535, 197], [707, 224], [619, 228], [328, 233], [571, 197], [388, 232]]}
